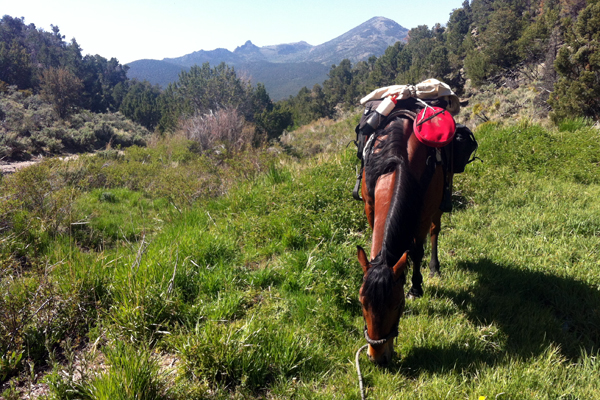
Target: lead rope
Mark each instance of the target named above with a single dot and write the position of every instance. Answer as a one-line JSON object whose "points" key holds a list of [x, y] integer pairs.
{"points": [[360, 379]]}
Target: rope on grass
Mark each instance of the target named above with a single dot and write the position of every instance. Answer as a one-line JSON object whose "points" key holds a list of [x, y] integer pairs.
{"points": [[360, 379]]}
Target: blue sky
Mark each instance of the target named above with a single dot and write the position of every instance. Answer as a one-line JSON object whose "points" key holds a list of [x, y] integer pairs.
{"points": [[135, 29]]}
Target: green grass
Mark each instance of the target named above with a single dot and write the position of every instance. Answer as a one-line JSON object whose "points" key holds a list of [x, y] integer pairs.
{"points": [[255, 292]]}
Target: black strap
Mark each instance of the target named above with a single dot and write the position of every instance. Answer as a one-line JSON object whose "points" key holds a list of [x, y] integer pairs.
{"points": [[357, 185], [430, 117], [399, 113], [430, 166]]}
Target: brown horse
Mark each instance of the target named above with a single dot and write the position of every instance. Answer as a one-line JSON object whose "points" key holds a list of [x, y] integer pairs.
{"points": [[402, 188]]}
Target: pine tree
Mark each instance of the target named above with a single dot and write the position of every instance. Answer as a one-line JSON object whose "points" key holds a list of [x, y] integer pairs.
{"points": [[577, 91], [202, 89], [15, 65], [61, 88], [141, 105]]}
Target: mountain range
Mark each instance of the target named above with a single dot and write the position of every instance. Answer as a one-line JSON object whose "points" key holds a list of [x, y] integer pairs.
{"points": [[283, 68]]}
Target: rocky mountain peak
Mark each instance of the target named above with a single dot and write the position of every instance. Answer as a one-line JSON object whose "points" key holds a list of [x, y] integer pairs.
{"points": [[247, 47]]}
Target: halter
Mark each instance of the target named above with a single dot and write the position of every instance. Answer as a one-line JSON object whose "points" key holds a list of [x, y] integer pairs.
{"points": [[391, 335]]}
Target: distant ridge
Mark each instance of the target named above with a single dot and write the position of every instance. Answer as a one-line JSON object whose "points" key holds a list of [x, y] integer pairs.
{"points": [[284, 68], [358, 44], [156, 72]]}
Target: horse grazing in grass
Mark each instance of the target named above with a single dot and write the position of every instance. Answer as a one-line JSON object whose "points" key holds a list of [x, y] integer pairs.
{"points": [[402, 189]]}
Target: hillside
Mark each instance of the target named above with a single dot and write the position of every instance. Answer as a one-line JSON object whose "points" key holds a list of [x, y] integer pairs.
{"points": [[253, 293], [155, 71], [283, 68], [284, 79]]}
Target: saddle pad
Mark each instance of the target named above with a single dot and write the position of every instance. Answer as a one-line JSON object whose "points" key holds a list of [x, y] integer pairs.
{"points": [[434, 126]]}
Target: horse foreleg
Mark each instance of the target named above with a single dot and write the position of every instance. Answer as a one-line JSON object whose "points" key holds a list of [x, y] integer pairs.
{"points": [[436, 226], [416, 256]]}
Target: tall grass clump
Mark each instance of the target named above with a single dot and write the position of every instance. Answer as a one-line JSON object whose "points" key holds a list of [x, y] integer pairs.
{"points": [[574, 124], [133, 374], [125, 373], [252, 355], [225, 127]]}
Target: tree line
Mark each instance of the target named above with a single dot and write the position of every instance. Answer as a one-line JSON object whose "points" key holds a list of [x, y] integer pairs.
{"points": [[42, 62]]}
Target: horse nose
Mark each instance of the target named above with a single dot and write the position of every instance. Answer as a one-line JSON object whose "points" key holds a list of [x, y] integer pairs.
{"points": [[381, 357]]}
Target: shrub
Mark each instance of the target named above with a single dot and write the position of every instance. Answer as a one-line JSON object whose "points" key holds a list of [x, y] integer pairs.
{"points": [[29, 126], [249, 356], [224, 127]]}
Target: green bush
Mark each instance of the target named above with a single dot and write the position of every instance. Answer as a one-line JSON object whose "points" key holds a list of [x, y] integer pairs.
{"points": [[30, 128], [577, 92]]}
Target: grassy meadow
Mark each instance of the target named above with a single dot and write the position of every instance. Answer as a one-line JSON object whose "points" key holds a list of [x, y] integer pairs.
{"points": [[161, 273]]}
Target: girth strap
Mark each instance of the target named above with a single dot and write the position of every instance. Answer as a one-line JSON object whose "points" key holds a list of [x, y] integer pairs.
{"points": [[430, 166], [357, 185]]}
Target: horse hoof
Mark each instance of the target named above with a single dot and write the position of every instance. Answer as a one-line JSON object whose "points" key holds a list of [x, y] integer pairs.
{"points": [[434, 273], [414, 293]]}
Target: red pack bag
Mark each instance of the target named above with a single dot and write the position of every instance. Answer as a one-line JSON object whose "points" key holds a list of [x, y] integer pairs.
{"points": [[434, 126]]}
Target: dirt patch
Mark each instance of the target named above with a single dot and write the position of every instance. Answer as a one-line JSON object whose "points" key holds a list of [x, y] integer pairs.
{"points": [[11, 167]]}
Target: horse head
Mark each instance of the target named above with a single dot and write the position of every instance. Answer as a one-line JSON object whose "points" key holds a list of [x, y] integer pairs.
{"points": [[382, 299]]}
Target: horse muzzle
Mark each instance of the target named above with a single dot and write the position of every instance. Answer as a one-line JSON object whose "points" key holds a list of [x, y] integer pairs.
{"points": [[381, 351], [383, 355]]}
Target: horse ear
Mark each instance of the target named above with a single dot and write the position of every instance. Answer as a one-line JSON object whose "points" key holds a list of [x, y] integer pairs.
{"points": [[362, 259], [401, 266]]}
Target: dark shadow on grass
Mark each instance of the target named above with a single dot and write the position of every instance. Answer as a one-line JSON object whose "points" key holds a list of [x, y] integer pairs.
{"points": [[531, 309], [460, 202], [441, 360]]}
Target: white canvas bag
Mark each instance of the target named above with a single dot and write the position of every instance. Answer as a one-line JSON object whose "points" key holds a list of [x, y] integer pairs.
{"points": [[428, 89]]}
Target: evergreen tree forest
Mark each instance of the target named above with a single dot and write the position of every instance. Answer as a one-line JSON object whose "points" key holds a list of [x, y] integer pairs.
{"points": [[483, 42]]}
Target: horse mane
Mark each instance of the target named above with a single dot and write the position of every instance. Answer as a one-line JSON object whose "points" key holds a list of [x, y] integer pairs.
{"points": [[378, 284], [405, 209], [387, 154]]}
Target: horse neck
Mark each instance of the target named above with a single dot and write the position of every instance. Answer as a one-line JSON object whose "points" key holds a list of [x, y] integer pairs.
{"points": [[398, 201], [383, 193], [403, 216]]}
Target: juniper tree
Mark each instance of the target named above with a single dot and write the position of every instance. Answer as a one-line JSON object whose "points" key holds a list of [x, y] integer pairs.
{"points": [[577, 92]]}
